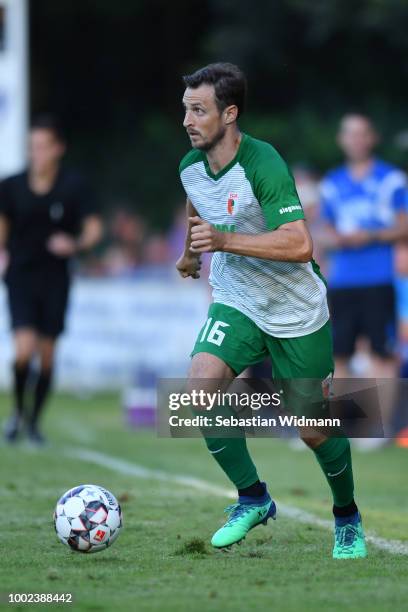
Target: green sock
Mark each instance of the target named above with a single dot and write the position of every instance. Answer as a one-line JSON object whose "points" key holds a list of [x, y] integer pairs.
{"points": [[231, 454], [334, 456], [233, 457]]}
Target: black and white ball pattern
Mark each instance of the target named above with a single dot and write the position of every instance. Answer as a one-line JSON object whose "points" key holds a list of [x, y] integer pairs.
{"points": [[88, 518]]}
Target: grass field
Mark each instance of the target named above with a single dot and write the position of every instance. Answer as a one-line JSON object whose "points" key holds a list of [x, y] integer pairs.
{"points": [[162, 560]]}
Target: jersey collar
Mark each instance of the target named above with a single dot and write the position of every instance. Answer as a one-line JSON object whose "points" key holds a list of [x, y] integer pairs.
{"points": [[225, 169]]}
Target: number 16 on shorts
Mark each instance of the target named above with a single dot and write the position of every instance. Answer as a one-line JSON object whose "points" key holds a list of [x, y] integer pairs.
{"points": [[212, 332]]}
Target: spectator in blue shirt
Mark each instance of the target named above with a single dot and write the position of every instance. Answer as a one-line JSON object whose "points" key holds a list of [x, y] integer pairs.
{"points": [[363, 203]]}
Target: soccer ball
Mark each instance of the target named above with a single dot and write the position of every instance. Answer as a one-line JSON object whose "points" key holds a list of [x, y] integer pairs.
{"points": [[88, 518]]}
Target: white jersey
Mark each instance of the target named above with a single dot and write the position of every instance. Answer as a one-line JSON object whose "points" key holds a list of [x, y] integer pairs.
{"points": [[253, 194]]}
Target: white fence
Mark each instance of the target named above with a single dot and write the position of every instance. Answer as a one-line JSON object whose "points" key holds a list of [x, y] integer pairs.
{"points": [[117, 329]]}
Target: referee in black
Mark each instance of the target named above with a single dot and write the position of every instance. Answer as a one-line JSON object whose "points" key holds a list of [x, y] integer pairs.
{"points": [[47, 216]]}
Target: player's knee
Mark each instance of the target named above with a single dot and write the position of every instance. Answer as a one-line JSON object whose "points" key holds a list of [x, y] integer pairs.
{"points": [[313, 440], [307, 441], [46, 361], [22, 360], [25, 347], [24, 355], [46, 369], [205, 365], [47, 357]]}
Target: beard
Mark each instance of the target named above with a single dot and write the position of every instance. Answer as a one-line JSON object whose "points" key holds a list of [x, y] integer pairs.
{"points": [[207, 145]]}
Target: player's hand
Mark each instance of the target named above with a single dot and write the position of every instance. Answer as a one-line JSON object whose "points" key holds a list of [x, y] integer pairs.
{"points": [[62, 245], [204, 237], [189, 265]]}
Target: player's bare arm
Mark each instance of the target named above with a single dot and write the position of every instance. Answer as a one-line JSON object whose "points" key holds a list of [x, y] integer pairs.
{"points": [[289, 242], [65, 245], [393, 234], [189, 263]]}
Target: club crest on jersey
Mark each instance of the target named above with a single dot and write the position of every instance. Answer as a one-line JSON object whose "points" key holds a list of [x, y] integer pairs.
{"points": [[232, 203]]}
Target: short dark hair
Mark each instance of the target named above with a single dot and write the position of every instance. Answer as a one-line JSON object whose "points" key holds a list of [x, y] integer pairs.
{"points": [[47, 121], [229, 83]]}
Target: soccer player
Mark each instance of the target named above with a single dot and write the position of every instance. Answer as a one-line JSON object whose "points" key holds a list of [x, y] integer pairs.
{"points": [[269, 297], [47, 215]]}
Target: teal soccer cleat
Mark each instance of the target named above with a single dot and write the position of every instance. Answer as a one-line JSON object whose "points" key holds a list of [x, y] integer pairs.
{"points": [[349, 540], [243, 516]]}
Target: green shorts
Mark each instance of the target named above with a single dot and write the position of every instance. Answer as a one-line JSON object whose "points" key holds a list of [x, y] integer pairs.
{"points": [[238, 341]]}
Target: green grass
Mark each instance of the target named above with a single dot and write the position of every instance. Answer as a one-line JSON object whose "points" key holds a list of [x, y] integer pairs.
{"points": [[163, 560]]}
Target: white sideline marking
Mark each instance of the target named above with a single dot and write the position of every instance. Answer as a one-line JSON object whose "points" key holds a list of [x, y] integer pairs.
{"points": [[122, 466]]}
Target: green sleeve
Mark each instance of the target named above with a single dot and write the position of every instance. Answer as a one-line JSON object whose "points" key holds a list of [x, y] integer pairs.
{"points": [[275, 190], [192, 157]]}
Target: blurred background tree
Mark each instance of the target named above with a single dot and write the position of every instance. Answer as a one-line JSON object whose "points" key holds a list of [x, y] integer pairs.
{"points": [[112, 71]]}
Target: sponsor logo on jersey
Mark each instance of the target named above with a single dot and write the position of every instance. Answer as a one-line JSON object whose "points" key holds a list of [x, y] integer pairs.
{"points": [[289, 209], [232, 200], [224, 227]]}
